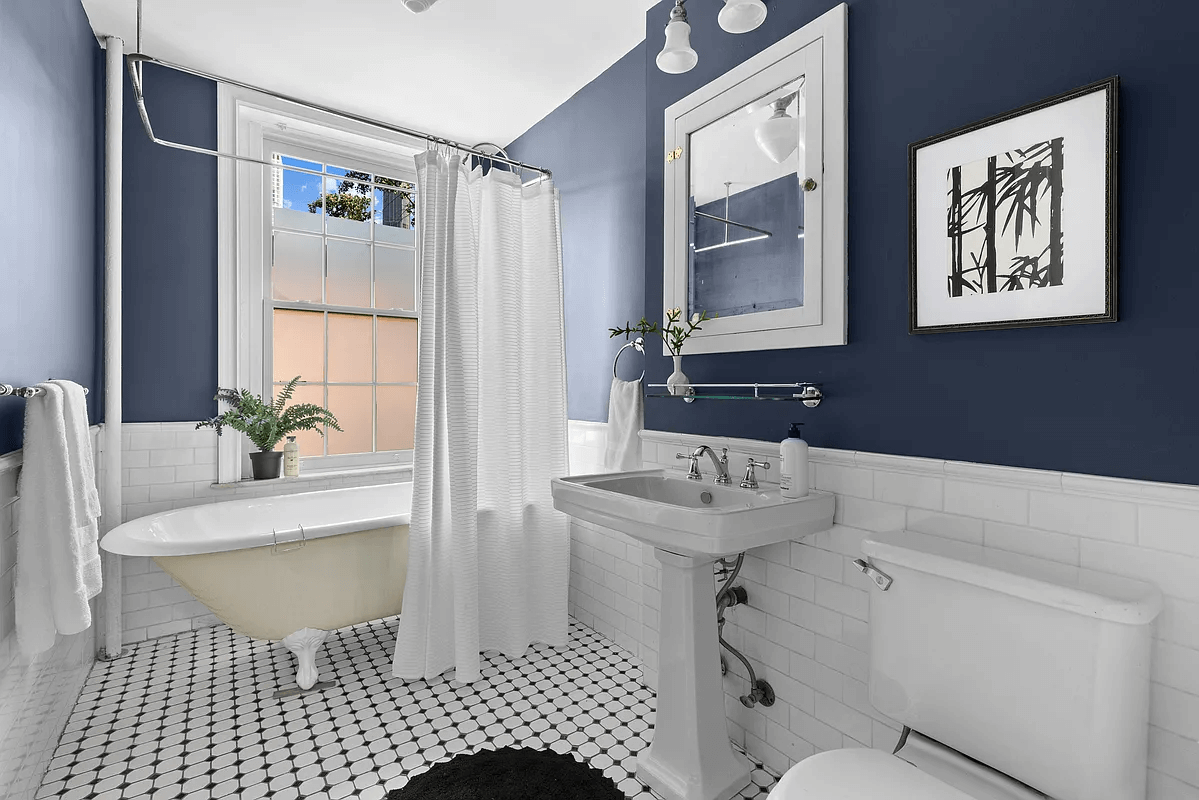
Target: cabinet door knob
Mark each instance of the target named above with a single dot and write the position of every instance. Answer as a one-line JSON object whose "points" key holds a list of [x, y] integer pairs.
{"points": [[809, 185]]}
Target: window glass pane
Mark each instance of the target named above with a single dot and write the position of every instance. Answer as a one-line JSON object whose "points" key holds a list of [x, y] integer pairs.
{"points": [[397, 417], [311, 443], [395, 211], [297, 267], [342, 172], [350, 349], [349, 281], [295, 196], [348, 208], [395, 278], [299, 345], [353, 407], [397, 350]]}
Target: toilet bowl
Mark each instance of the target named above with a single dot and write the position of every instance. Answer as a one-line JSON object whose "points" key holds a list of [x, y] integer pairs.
{"points": [[916, 772], [1013, 681]]}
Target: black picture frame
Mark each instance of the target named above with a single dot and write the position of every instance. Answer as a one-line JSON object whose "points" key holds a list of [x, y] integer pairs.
{"points": [[1110, 86]]}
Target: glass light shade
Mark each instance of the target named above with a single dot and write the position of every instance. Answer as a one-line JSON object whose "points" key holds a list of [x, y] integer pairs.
{"points": [[778, 136], [677, 56], [742, 16]]}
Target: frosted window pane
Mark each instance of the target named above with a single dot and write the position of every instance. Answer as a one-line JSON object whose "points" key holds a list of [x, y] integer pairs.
{"points": [[397, 417], [348, 208], [350, 350], [299, 345], [297, 268], [311, 443], [349, 282], [296, 197], [395, 212], [395, 278], [397, 350], [353, 407]]}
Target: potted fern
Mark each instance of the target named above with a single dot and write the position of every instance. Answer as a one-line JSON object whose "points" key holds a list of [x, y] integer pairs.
{"points": [[266, 423]]}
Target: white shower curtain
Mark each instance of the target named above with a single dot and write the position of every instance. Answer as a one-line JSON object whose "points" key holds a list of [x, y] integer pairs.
{"points": [[488, 559]]}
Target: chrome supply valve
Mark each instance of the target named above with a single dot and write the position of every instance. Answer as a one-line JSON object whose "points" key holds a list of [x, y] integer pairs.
{"points": [[750, 481]]}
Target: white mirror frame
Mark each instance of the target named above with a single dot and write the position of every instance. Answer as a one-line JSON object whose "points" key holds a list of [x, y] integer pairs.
{"points": [[818, 50]]}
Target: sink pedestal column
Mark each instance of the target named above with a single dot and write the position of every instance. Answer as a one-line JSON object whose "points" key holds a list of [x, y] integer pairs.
{"points": [[690, 757]]}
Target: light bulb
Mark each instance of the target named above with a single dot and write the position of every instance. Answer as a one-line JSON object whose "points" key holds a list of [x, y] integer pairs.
{"points": [[742, 16], [778, 137]]}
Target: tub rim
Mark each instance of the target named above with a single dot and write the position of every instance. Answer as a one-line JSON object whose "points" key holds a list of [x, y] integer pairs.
{"points": [[145, 536]]}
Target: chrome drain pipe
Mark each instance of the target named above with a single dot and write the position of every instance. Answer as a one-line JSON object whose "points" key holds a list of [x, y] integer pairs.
{"points": [[726, 597]]}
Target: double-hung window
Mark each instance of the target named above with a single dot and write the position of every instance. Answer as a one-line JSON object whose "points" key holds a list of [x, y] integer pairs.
{"points": [[343, 298], [319, 280]]}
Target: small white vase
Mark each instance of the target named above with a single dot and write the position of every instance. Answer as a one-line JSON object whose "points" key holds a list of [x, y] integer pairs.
{"points": [[678, 383]]}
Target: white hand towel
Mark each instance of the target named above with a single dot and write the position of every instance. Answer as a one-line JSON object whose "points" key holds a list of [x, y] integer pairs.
{"points": [[626, 417], [85, 495], [49, 587]]}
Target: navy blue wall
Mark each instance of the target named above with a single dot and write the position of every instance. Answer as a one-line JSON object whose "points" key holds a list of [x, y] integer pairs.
{"points": [[1116, 399], [595, 144], [49, 140], [170, 253]]}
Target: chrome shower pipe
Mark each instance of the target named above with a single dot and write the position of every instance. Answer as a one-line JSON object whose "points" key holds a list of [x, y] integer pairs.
{"points": [[135, 60], [110, 494]]}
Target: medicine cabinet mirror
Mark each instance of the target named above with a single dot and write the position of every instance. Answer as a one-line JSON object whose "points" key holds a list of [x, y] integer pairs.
{"points": [[755, 215]]}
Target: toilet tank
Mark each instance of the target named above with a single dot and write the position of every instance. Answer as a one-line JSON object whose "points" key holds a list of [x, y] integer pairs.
{"points": [[1038, 670]]}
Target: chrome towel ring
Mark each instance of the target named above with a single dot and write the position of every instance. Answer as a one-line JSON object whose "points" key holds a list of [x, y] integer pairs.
{"points": [[637, 344]]}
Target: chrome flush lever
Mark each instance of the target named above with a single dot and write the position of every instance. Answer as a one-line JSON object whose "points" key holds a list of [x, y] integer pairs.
{"points": [[880, 578]]}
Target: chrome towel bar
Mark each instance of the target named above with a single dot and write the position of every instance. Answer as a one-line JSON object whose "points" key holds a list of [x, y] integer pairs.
{"points": [[23, 391]]}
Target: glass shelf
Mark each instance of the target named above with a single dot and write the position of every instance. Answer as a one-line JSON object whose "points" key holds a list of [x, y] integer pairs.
{"points": [[724, 396], [807, 393]]}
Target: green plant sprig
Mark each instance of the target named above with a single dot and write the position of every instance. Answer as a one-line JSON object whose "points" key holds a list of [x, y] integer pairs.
{"points": [[673, 333], [265, 424]]}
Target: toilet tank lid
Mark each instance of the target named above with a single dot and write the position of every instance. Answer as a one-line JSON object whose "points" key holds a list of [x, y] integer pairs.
{"points": [[1081, 591], [860, 773]]}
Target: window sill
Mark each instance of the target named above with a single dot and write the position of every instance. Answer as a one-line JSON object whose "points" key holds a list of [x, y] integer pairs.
{"points": [[318, 476]]}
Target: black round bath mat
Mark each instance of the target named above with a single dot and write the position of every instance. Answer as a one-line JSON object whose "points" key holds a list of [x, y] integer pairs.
{"points": [[510, 773]]}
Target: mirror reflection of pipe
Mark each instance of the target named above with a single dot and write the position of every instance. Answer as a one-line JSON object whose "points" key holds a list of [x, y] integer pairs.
{"points": [[763, 234]]}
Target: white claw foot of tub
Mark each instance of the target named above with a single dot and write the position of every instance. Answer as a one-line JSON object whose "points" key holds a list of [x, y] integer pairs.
{"points": [[304, 644]]}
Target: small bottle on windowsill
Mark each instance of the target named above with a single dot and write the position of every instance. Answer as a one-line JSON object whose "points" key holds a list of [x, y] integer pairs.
{"points": [[291, 458]]}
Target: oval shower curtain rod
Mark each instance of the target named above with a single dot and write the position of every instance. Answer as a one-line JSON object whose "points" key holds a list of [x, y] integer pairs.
{"points": [[135, 60]]}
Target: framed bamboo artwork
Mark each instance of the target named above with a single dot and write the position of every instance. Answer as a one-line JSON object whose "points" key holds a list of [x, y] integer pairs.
{"points": [[1013, 219]]}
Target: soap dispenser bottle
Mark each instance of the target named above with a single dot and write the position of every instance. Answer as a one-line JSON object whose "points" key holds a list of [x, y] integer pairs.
{"points": [[793, 463]]}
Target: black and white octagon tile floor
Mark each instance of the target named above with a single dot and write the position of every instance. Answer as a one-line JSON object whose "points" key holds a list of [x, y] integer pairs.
{"points": [[193, 716]]}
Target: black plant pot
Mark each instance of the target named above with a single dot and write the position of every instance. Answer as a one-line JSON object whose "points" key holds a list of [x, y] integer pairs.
{"points": [[266, 465]]}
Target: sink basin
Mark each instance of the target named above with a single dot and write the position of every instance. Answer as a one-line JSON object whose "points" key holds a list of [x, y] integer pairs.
{"points": [[690, 524], [696, 518]]}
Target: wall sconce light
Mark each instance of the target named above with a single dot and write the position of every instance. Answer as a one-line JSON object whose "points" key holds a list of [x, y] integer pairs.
{"points": [[417, 6], [742, 16], [677, 55]]}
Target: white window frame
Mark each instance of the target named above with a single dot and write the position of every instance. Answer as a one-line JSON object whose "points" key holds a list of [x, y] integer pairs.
{"points": [[245, 121]]}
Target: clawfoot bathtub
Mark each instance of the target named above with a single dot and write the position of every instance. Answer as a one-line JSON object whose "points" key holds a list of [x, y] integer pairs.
{"points": [[285, 568]]}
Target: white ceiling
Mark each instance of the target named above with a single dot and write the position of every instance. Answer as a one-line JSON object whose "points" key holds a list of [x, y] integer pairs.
{"points": [[468, 70]]}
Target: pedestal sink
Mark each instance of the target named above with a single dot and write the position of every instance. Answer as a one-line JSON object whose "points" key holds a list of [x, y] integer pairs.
{"points": [[690, 524]]}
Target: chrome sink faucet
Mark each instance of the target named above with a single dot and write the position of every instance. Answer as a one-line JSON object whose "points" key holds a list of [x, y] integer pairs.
{"points": [[721, 463]]}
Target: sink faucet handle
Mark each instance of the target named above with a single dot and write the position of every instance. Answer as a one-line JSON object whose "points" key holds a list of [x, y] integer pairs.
{"points": [[750, 481], [692, 473]]}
